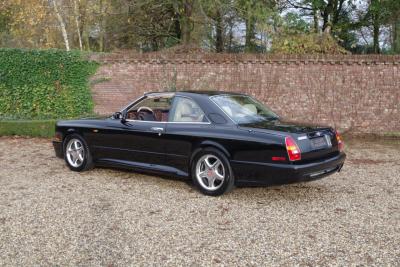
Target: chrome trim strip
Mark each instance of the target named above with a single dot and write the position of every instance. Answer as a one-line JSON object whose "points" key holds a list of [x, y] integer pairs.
{"points": [[139, 151], [187, 122], [171, 95], [148, 95], [132, 103]]}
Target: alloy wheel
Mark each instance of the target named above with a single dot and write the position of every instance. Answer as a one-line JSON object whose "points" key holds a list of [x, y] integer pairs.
{"points": [[210, 172], [75, 153]]}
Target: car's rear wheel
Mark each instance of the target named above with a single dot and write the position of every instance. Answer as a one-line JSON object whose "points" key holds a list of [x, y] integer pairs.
{"points": [[77, 154], [211, 172]]}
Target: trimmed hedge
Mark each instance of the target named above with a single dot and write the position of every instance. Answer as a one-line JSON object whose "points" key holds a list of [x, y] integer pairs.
{"points": [[44, 84], [35, 128]]}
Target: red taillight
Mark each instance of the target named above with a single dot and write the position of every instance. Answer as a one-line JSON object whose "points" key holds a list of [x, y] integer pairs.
{"points": [[339, 141], [292, 149]]}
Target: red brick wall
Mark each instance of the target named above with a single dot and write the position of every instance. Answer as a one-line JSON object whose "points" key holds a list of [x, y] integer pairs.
{"points": [[356, 93]]}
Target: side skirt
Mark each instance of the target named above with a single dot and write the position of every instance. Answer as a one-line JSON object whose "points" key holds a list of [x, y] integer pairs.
{"points": [[143, 167]]}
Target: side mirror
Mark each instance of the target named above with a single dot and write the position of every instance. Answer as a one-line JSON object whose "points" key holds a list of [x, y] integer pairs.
{"points": [[123, 116], [117, 115]]}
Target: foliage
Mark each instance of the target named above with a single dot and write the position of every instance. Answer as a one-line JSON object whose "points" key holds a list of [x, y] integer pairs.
{"points": [[254, 12], [293, 23], [44, 84], [35, 128], [311, 43], [216, 25]]}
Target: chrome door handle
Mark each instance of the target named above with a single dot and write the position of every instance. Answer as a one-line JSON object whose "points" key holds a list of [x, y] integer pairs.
{"points": [[157, 129]]}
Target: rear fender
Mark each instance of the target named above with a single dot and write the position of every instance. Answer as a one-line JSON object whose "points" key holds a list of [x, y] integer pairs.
{"points": [[208, 143]]}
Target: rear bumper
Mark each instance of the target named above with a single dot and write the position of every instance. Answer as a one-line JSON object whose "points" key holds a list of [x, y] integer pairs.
{"points": [[270, 173], [58, 148]]}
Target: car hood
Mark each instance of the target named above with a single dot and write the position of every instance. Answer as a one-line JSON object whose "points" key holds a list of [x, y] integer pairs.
{"points": [[283, 126], [97, 117], [89, 121]]}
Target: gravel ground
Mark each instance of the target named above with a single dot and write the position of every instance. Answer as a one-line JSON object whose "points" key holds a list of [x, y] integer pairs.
{"points": [[52, 216]]}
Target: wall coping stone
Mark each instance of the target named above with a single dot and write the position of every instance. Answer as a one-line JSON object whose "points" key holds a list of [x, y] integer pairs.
{"points": [[214, 58]]}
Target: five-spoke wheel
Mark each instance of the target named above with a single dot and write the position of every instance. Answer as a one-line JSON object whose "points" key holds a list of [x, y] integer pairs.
{"points": [[211, 172], [76, 153]]}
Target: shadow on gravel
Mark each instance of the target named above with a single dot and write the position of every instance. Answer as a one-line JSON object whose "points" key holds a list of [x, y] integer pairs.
{"points": [[297, 192], [263, 193]]}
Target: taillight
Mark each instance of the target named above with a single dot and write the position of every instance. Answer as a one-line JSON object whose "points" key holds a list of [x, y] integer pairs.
{"points": [[292, 149], [339, 141]]}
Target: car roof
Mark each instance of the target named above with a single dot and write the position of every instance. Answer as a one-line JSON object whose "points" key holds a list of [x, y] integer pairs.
{"points": [[195, 92]]}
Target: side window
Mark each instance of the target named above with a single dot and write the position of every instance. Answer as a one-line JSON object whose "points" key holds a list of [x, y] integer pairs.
{"points": [[186, 110], [151, 109]]}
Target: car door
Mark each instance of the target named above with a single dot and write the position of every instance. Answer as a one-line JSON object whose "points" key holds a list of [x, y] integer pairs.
{"points": [[186, 126], [140, 138]]}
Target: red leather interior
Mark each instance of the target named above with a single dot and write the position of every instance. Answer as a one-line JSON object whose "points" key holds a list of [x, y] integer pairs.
{"points": [[158, 114], [164, 116]]}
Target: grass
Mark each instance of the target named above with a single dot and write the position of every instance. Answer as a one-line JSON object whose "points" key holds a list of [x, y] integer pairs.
{"points": [[34, 128]]}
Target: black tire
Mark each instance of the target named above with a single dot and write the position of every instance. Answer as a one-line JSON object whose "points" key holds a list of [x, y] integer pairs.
{"points": [[87, 162], [228, 181]]}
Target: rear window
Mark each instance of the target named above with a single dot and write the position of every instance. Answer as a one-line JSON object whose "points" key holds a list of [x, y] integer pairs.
{"points": [[244, 109]]}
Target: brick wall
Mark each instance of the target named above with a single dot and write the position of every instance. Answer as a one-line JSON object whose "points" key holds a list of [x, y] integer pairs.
{"points": [[360, 94]]}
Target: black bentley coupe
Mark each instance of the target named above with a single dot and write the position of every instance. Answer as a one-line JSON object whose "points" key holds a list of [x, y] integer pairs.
{"points": [[218, 139]]}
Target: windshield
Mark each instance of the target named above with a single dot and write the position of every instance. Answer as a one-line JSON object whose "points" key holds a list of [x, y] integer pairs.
{"points": [[244, 109]]}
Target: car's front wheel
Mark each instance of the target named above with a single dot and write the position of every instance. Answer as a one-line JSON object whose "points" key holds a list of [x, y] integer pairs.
{"points": [[77, 154], [211, 172]]}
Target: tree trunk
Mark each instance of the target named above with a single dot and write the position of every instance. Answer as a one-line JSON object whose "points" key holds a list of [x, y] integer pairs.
{"points": [[186, 22], [376, 30], [154, 44], [78, 29], [396, 37], [327, 16], [376, 24], [101, 36], [337, 11], [250, 35], [315, 19], [62, 25], [177, 27], [230, 38], [219, 41]]}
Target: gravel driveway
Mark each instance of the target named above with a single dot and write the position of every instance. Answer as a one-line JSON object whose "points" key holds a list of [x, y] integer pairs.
{"points": [[52, 216]]}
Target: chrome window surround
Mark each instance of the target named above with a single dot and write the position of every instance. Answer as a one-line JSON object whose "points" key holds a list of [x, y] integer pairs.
{"points": [[138, 100]]}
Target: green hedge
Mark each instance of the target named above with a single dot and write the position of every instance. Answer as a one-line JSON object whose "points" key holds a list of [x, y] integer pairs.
{"points": [[44, 84], [38, 128]]}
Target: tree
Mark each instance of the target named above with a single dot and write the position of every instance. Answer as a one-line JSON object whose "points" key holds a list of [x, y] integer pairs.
{"points": [[393, 19], [60, 19], [217, 25], [217, 14], [253, 12], [77, 18]]}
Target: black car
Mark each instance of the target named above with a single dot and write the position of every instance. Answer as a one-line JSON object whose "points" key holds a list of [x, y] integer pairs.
{"points": [[218, 139]]}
